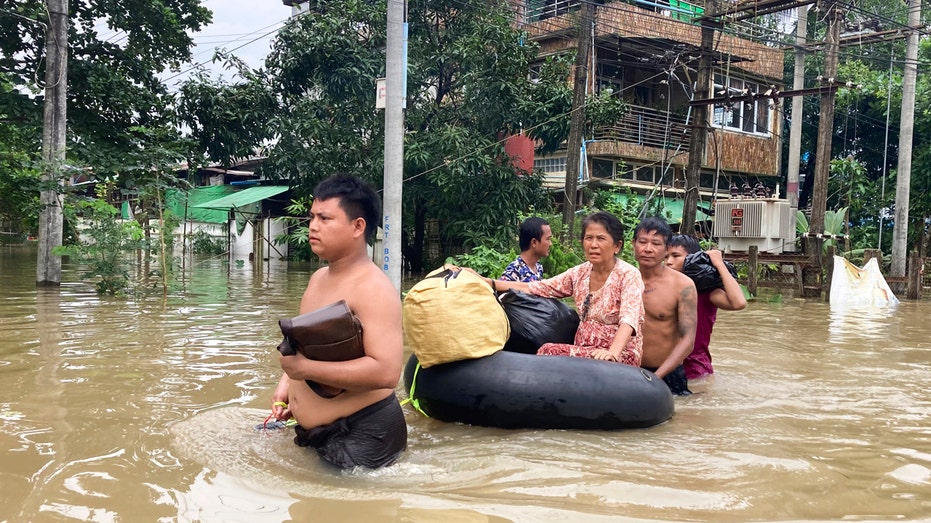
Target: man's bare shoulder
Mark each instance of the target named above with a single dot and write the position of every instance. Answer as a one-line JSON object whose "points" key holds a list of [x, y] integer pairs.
{"points": [[680, 280], [372, 288]]}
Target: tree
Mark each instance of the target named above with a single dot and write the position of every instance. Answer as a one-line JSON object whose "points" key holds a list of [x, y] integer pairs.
{"points": [[117, 49], [467, 89], [20, 138]]}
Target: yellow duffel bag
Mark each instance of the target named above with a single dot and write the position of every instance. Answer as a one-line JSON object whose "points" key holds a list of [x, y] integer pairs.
{"points": [[453, 315]]}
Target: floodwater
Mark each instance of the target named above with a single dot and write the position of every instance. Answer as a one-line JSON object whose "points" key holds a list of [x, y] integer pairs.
{"points": [[143, 409]]}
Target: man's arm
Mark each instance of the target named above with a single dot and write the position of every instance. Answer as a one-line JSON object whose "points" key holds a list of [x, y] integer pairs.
{"points": [[687, 314], [382, 337], [731, 297], [280, 399]]}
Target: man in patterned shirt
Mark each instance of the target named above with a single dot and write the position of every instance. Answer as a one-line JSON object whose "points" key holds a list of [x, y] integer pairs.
{"points": [[535, 240]]}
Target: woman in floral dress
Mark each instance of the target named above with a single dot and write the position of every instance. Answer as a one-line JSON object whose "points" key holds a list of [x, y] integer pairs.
{"points": [[608, 294]]}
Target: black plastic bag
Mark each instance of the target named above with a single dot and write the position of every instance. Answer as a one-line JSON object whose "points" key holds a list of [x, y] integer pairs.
{"points": [[536, 320], [698, 267]]}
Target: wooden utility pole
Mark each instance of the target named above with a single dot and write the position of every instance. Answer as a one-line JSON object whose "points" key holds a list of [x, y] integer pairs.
{"points": [[906, 129], [577, 120], [795, 132], [698, 139], [811, 273], [54, 136]]}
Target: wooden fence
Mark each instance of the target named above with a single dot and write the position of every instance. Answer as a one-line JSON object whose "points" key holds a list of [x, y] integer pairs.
{"points": [[784, 271]]}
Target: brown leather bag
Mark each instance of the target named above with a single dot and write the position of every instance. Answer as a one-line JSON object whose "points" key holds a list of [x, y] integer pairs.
{"points": [[330, 333]]}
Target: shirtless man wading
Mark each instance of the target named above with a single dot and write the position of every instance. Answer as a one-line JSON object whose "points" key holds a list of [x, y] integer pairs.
{"points": [[669, 303], [364, 425]]}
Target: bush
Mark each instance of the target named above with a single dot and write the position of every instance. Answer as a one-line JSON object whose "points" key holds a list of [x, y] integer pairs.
{"points": [[202, 242], [103, 244]]}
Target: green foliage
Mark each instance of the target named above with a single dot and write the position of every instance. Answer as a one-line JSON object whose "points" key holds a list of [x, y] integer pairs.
{"points": [[296, 233], [20, 140], [113, 84], [104, 243], [468, 88], [204, 243], [485, 260], [834, 223]]}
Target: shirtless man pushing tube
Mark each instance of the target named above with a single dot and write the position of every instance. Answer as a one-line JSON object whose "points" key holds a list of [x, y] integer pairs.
{"points": [[364, 426], [669, 304]]}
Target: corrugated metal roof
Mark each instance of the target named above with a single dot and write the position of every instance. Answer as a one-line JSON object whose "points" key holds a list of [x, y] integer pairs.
{"points": [[244, 197]]}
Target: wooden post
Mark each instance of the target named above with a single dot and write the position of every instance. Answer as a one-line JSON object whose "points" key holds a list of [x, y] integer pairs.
{"points": [[869, 254], [698, 139], [813, 242], [54, 140], [753, 269], [577, 119], [913, 276], [828, 271]]}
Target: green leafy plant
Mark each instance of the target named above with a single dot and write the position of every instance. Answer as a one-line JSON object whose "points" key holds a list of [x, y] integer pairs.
{"points": [[834, 222], [485, 260], [104, 241], [202, 242], [296, 232]]}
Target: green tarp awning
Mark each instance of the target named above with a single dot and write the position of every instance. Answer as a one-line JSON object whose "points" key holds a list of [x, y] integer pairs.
{"points": [[243, 198], [182, 203]]}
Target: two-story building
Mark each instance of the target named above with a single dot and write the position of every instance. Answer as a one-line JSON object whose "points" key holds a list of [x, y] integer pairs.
{"points": [[647, 52]]}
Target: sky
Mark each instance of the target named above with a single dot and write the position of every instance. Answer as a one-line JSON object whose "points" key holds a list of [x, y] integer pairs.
{"points": [[247, 26]]}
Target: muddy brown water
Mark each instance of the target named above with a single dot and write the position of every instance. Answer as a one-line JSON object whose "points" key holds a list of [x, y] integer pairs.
{"points": [[143, 409]]}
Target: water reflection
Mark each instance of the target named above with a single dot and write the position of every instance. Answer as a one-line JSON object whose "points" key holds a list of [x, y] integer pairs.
{"points": [[144, 409], [866, 322]]}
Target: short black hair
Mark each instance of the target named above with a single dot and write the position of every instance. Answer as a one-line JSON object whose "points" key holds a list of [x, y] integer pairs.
{"points": [[687, 242], [654, 224], [531, 229], [607, 220], [357, 199]]}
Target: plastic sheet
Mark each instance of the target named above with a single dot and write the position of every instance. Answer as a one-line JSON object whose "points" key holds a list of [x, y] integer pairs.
{"points": [[852, 285]]}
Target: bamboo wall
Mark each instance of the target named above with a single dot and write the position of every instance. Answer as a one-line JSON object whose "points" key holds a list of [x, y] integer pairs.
{"points": [[628, 21], [746, 154]]}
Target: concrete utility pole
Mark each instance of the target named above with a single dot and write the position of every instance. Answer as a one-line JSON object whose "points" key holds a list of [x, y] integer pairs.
{"points": [[795, 132], [54, 136], [577, 120], [906, 129], [394, 140], [813, 243], [698, 139]]}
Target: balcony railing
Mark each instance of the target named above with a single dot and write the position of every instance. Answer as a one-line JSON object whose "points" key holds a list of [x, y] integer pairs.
{"points": [[649, 128], [679, 9]]}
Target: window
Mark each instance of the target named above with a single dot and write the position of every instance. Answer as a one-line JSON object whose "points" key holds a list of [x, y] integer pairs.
{"points": [[645, 174], [550, 165], [744, 115], [603, 169], [609, 73]]}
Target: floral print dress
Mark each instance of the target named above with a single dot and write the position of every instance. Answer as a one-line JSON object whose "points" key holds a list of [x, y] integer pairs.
{"points": [[619, 300]]}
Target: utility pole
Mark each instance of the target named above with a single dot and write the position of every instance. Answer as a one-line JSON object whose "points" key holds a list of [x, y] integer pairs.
{"points": [[394, 139], [811, 274], [795, 132], [54, 136], [906, 129], [577, 120], [698, 139]]}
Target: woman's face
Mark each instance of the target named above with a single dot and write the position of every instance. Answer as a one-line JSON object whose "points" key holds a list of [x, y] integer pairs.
{"points": [[598, 244]]}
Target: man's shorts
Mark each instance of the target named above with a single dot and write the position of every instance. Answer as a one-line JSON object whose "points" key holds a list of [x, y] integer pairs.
{"points": [[372, 437], [676, 381]]}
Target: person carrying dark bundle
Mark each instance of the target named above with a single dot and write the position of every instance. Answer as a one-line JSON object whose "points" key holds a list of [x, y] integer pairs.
{"points": [[728, 296]]}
